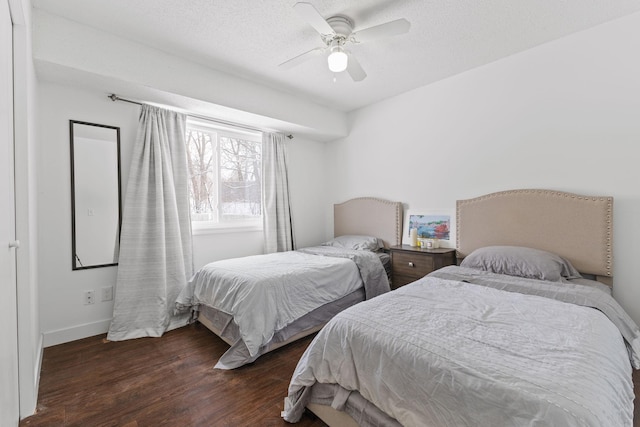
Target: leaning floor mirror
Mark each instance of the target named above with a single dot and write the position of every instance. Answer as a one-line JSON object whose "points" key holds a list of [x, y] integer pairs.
{"points": [[95, 194]]}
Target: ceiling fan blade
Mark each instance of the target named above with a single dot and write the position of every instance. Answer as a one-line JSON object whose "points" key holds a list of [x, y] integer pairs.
{"points": [[355, 69], [303, 57], [313, 17], [392, 28]]}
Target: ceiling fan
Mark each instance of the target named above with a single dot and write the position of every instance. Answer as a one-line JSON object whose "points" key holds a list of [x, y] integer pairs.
{"points": [[336, 32]]}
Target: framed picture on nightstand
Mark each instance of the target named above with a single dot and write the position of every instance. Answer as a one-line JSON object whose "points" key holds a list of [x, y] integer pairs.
{"points": [[431, 224]]}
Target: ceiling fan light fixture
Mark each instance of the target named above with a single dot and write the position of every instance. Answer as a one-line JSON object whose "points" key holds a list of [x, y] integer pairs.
{"points": [[337, 60], [336, 32]]}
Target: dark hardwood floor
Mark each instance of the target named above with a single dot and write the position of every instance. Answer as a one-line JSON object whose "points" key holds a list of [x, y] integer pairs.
{"points": [[169, 381]]}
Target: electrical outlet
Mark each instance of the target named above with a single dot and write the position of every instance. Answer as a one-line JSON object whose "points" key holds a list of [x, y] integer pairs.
{"points": [[107, 293], [89, 297]]}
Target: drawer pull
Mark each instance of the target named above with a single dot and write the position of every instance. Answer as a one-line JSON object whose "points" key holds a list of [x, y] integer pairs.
{"points": [[411, 264]]}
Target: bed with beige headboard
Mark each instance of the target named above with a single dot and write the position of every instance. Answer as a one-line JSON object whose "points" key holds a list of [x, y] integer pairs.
{"points": [[364, 216], [578, 228]]}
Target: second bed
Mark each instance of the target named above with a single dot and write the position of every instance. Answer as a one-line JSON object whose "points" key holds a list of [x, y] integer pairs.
{"points": [[259, 303]]}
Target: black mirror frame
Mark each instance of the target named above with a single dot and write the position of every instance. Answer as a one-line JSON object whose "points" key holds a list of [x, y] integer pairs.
{"points": [[74, 264]]}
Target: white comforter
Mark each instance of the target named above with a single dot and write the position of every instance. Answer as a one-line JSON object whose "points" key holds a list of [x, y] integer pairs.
{"points": [[265, 293], [446, 353]]}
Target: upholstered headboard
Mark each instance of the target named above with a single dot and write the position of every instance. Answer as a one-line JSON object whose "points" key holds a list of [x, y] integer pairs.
{"points": [[578, 228], [369, 216]]}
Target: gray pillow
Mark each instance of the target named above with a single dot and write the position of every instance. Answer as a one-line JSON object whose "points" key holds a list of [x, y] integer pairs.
{"points": [[521, 261], [366, 243]]}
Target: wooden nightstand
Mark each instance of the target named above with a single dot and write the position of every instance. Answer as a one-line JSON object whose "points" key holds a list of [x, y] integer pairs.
{"points": [[409, 264]]}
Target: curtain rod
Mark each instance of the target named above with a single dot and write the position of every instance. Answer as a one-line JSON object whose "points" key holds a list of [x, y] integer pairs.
{"points": [[115, 98]]}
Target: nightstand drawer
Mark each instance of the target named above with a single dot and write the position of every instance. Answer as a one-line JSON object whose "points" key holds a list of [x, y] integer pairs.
{"points": [[409, 264], [412, 265]]}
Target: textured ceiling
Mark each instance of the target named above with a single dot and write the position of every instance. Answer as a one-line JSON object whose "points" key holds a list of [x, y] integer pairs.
{"points": [[251, 37]]}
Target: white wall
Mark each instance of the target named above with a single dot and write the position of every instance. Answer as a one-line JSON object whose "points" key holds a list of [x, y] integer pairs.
{"points": [[564, 116], [63, 315]]}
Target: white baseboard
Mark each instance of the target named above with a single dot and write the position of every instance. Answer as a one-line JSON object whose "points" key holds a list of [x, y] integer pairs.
{"points": [[74, 333]]}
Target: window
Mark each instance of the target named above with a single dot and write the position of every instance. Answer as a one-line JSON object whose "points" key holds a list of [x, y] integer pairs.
{"points": [[225, 176]]}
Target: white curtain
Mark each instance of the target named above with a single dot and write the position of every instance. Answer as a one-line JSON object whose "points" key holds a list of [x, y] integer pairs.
{"points": [[277, 222], [156, 258]]}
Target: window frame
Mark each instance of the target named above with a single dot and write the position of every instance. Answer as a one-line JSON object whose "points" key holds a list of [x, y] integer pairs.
{"points": [[216, 226]]}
